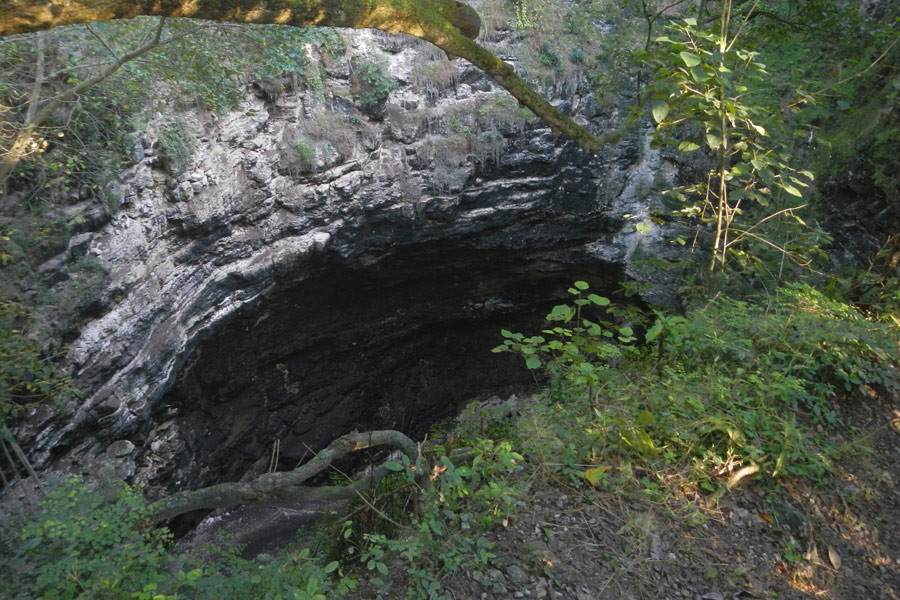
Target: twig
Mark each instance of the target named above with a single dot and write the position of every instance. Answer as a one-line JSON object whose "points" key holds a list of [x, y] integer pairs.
{"points": [[379, 512]]}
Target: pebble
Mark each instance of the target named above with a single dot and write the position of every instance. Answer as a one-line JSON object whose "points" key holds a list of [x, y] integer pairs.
{"points": [[516, 575]]}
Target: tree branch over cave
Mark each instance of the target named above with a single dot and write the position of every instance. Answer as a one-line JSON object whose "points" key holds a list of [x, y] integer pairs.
{"points": [[288, 485], [448, 24]]}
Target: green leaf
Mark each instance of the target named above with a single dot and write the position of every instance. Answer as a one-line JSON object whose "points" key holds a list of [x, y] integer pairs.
{"points": [[533, 362], [688, 146], [691, 60], [393, 466], [594, 475], [739, 169], [659, 110], [790, 189], [645, 418], [642, 228], [699, 74], [713, 139], [598, 300], [581, 285], [561, 312], [654, 332]]}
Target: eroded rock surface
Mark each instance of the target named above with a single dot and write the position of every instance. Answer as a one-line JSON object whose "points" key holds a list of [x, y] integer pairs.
{"points": [[317, 269]]}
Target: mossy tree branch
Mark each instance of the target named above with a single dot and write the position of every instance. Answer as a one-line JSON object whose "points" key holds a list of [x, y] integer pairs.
{"points": [[448, 24], [288, 485]]}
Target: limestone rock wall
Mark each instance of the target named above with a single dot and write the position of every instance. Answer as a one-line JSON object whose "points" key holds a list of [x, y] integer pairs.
{"points": [[314, 245]]}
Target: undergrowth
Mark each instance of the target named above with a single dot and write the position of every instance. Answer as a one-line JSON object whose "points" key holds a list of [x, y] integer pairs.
{"points": [[733, 389], [659, 404]]}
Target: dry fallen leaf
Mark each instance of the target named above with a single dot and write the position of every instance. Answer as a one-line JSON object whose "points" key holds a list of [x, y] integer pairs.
{"points": [[835, 558], [895, 424]]}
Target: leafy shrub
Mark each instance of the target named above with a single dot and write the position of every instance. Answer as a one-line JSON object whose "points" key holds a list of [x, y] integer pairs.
{"points": [[178, 143], [83, 544], [305, 155], [26, 377], [466, 498], [577, 349], [374, 85], [79, 546], [732, 384], [549, 57]]}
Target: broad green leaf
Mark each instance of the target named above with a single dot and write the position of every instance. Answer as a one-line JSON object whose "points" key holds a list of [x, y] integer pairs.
{"points": [[561, 312], [598, 300], [688, 146], [699, 74], [713, 139], [642, 228], [644, 443], [594, 475], [659, 109], [654, 332], [581, 285], [761, 198], [645, 418], [393, 466], [691, 60], [739, 169], [790, 189], [533, 362]]}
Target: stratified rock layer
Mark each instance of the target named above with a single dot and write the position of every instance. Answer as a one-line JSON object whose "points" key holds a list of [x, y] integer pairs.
{"points": [[268, 294]]}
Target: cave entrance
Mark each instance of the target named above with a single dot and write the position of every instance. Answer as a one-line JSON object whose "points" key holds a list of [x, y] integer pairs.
{"points": [[401, 342]]}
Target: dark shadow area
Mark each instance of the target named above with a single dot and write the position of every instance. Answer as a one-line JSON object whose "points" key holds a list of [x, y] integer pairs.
{"points": [[400, 344]]}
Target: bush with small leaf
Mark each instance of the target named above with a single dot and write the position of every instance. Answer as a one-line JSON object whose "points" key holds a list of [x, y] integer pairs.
{"points": [[580, 344], [729, 385]]}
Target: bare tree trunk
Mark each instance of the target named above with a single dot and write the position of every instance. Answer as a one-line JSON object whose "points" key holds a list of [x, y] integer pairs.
{"points": [[287, 485]]}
